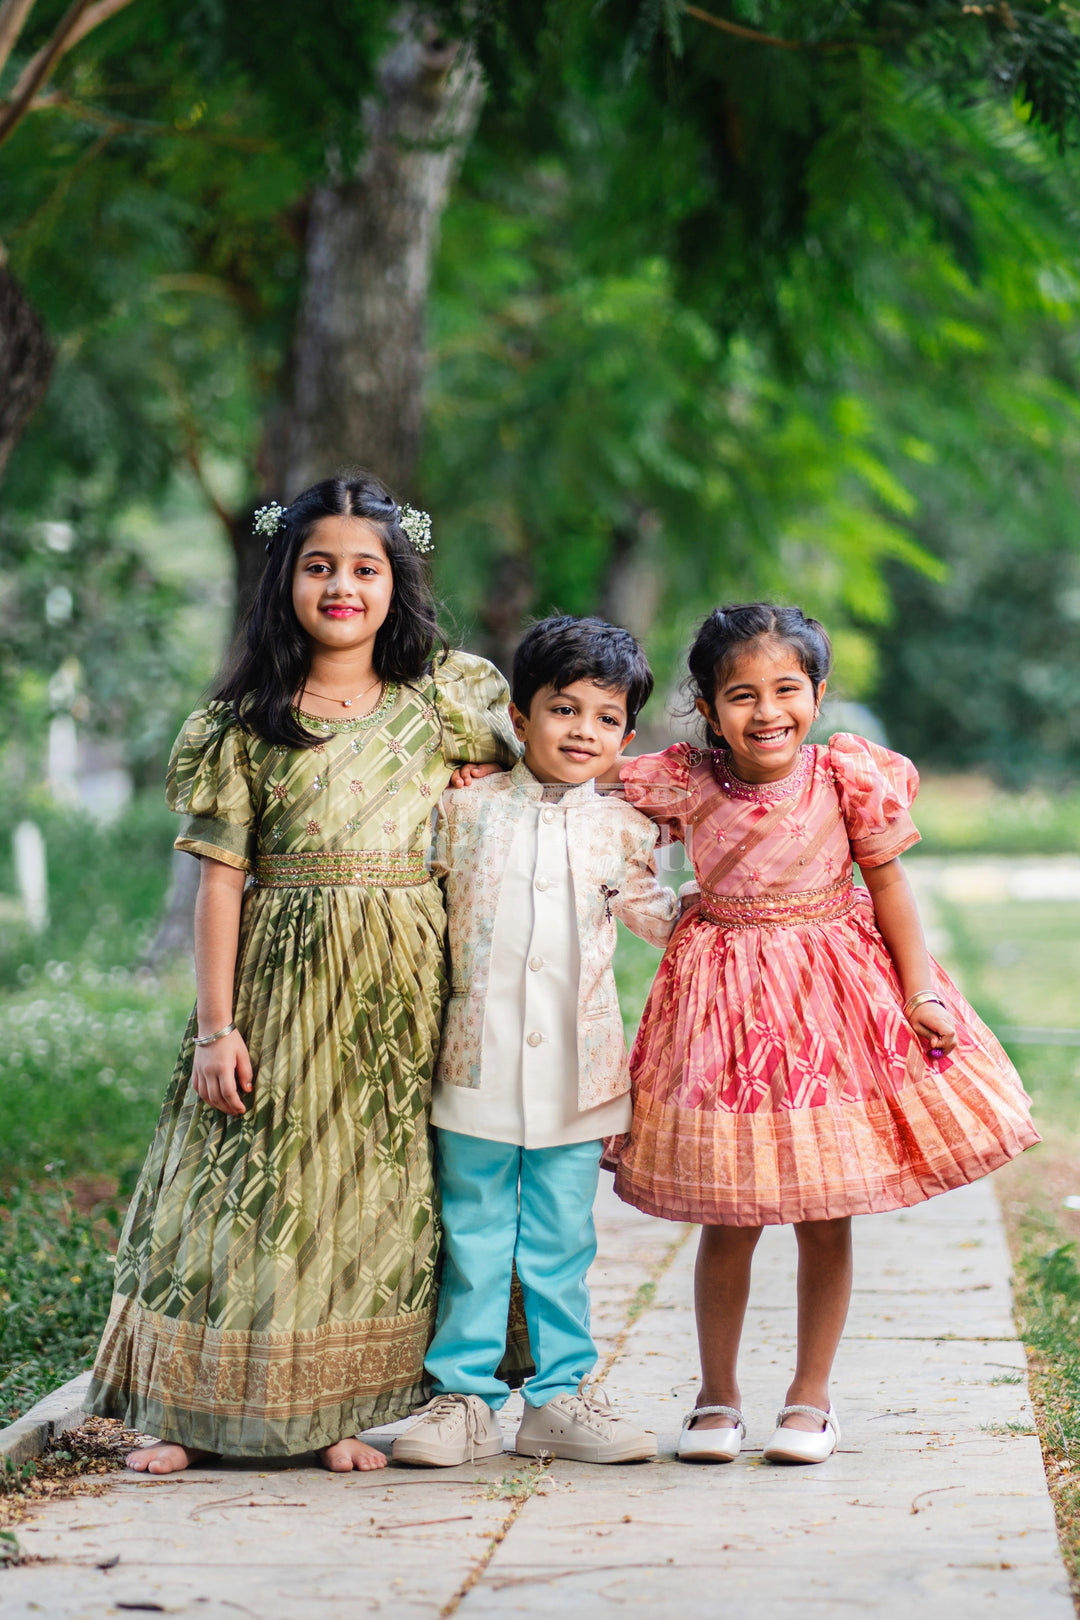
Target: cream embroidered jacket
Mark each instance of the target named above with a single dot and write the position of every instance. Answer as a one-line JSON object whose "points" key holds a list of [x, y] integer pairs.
{"points": [[610, 849]]}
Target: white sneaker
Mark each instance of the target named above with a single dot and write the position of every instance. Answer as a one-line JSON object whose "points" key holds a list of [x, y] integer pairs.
{"points": [[795, 1445], [450, 1430], [582, 1428], [711, 1445]]}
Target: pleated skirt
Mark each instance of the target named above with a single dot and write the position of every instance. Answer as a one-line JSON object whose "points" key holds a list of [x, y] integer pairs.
{"points": [[276, 1276], [776, 1079]]}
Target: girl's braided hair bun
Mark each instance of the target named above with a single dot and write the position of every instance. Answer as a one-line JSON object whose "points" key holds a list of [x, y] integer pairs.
{"points": [[728, 632]]}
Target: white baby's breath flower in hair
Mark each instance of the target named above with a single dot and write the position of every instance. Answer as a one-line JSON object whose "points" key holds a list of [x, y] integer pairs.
{"points": [[268, 519], [417, 526]]}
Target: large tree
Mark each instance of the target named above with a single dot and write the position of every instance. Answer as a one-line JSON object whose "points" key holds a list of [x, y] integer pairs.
{"points": [[687, 241]]}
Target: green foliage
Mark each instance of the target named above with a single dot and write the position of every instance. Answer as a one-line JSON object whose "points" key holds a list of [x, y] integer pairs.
{"points": [[56, 1280], [88, 1039], [83, 1068], [964, 816], [713, 319], [106, 887]]}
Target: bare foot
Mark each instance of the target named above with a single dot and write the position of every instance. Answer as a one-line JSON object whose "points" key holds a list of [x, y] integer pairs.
{"points": [[348, 1454], [163, 1458]]}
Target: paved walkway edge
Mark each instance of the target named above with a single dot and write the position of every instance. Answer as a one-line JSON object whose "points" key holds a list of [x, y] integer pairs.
{"points": [[28, 1436]]}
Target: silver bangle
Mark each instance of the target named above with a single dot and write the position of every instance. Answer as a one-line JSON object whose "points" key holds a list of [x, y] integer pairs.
{"points": [[206, 1040]]}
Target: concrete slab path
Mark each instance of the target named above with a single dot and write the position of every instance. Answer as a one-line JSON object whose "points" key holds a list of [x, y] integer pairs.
{"points": [[935, 1505]]}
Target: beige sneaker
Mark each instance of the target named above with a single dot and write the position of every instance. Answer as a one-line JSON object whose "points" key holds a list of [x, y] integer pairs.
{"points": [[583, 1428], [451, 1429]]}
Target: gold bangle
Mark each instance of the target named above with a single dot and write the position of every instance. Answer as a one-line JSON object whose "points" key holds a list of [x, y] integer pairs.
{"points": [[918, 999]]}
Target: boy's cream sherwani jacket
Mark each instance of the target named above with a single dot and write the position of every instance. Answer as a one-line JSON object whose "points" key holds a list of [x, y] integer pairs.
{"points": [[610, 848]]}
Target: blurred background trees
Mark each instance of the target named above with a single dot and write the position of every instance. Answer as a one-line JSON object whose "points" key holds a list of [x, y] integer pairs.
{"points": [[651, 305]]}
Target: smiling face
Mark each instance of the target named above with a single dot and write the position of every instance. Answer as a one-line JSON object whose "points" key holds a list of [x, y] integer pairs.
{"points": [[342, 584], [575, 734], [764, 706]]}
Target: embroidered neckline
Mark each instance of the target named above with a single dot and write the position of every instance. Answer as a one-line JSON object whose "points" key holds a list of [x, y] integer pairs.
{"points": [[762, 792], [361, 720]]}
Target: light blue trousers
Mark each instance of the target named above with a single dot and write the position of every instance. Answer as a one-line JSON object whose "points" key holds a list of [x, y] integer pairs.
{"points": [[503, 1204]]}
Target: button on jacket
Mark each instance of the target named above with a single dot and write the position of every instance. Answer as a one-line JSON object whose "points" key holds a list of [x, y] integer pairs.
{"points": [[533, 890]]}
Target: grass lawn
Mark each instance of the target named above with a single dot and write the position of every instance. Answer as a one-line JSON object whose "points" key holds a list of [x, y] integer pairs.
{"points": [[88, 1040], [1020, 964]]}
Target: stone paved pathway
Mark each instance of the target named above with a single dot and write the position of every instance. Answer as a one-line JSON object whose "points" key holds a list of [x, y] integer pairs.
{"points": [[936, 1504]]}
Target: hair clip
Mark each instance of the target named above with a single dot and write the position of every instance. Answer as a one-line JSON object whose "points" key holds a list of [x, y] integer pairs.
{"points": [[268, 520], [417, 526]]}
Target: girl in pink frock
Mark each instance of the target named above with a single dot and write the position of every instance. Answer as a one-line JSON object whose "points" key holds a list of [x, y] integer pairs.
{"points": [[800, 1058]]}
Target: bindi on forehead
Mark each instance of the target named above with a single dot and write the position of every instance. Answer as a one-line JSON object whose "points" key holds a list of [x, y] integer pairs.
{"points": [[763, 664]]}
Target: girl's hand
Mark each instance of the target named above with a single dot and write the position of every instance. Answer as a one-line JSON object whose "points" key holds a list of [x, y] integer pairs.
{"points": [[221, 1071], [464, 774], [932, 1023]]}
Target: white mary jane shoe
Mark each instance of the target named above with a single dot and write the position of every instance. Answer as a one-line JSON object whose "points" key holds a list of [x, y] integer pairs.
{"points": [[796, 1446], [711, 1445]]}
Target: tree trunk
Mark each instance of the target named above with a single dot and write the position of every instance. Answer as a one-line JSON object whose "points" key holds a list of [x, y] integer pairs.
{"points": [[510, 596], [356, 393], [26, 361], [359, 351]]}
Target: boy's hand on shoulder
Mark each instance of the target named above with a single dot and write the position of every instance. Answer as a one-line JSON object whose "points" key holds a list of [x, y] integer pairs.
{"points": [[689, 897], [467, 773]]}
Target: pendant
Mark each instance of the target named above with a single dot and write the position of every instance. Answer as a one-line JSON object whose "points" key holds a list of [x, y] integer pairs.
{"points": [[346, 703]]}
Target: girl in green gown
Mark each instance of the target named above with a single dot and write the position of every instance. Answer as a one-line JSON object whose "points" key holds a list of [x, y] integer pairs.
{"points": [[275, 1282]]}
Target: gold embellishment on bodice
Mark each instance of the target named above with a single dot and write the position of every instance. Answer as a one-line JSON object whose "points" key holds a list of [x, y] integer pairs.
{"points": [[762, 792]]}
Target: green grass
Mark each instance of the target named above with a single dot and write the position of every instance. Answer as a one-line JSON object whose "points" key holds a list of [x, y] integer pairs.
{"points": [[55, 1284], [84, 1061], [106, 889], [1019, 963], [965, 815], [88, 1040]]}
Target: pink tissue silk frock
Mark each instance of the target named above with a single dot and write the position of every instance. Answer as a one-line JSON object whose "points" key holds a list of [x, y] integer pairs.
{"points": [[775, 1075]]}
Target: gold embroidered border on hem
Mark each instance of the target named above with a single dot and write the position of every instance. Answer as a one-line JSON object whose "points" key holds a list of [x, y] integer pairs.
{"points": [[370, 868], [778, 910], [268, 1377]]}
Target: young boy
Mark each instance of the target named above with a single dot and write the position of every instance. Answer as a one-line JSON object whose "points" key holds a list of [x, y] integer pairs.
{"points": [[533, 1073]]}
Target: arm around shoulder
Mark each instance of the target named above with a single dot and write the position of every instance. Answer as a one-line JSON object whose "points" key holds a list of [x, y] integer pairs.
{"points": [[647, 907]]}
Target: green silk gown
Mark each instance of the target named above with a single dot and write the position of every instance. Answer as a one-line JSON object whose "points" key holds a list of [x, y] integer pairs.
{"points": [[276, 1277]]}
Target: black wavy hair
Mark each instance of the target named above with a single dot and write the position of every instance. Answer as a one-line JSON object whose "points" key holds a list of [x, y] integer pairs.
{"points": [[561, 650], [277, 653], [729, 631]]}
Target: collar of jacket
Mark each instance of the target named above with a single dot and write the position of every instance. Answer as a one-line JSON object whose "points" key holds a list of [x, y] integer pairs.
{"points": [[524, 782]]}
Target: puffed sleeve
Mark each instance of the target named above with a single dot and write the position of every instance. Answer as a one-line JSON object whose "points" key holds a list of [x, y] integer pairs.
{"points": [[472, 697], [208, 782], [877, 788], [663, 788]]}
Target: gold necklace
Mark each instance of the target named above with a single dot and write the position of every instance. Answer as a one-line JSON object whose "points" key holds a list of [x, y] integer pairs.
{"points": [[346, 703]]}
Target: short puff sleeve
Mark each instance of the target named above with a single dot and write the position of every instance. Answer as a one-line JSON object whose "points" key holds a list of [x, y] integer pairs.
{"points": [[208, 781], [663, 786], [876, 788], [472, 700]]}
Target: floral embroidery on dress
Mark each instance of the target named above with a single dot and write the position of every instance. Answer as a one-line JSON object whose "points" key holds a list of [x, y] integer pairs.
{"points": [[425, 791], [389, 827], [356, 787], [279, 791], [313, 829], [393, 745]]}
